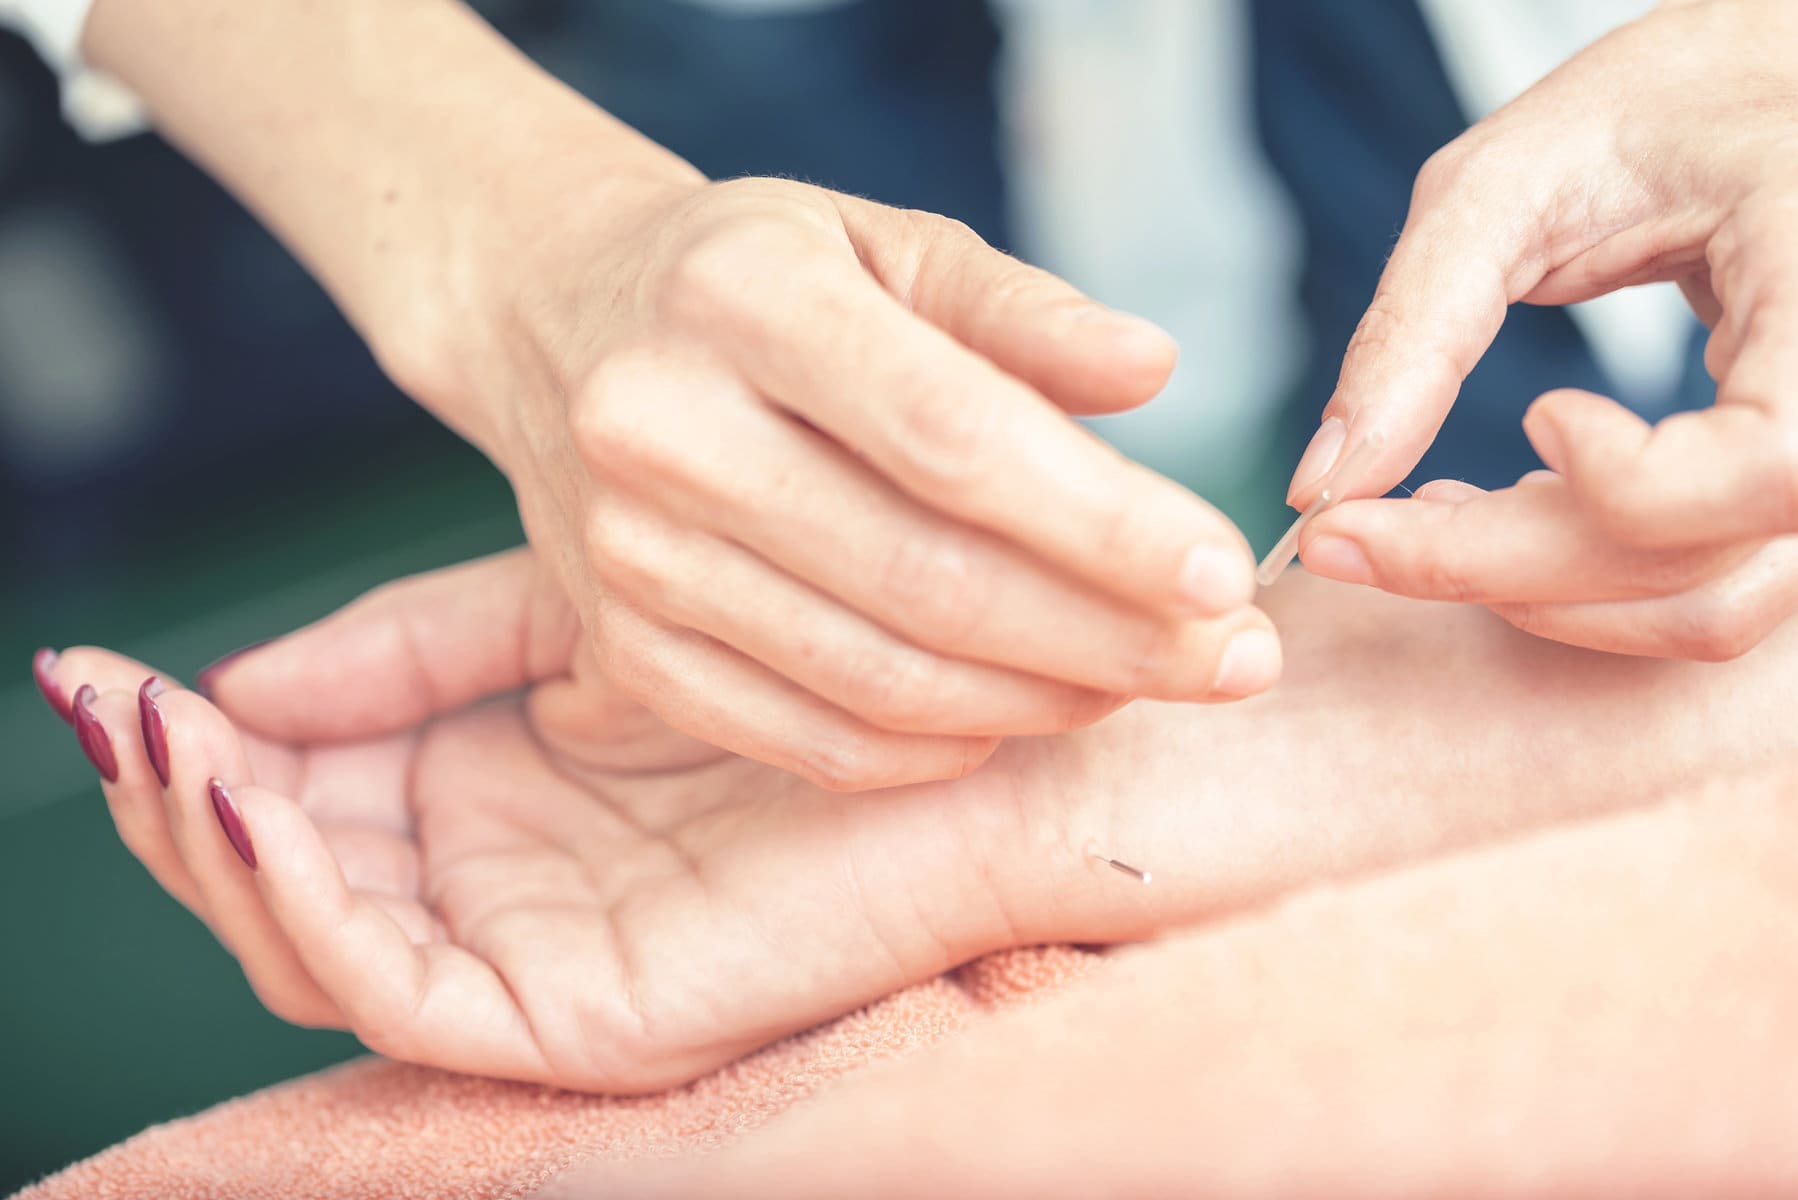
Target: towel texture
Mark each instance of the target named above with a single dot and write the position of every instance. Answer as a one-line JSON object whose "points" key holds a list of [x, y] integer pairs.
{"points": [[373, 1128]]}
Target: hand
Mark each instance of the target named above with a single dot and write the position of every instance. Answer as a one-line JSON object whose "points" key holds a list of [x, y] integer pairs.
{"points": [[552, 886], [547, 886], [802, 460], [1666, 151]]}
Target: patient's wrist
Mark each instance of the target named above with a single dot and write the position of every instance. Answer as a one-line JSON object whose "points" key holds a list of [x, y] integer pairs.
{"points": [[1402, 729]]}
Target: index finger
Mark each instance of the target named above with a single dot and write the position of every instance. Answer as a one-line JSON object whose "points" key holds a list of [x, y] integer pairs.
{"points": [[961, 435], [1439, 303]]}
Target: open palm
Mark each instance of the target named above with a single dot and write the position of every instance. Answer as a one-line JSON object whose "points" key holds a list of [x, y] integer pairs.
{"points": [[547, 886]]}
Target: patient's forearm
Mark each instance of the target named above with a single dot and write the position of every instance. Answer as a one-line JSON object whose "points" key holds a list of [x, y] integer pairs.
{"points": [[1401, 729], [1603, 1010]]}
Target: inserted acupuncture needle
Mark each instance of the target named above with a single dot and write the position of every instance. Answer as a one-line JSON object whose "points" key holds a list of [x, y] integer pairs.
{"points": [[1134, 872], [1341, 480]]}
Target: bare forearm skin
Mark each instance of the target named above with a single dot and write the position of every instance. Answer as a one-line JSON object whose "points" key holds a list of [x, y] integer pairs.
{"points": [[1401, 729], [383, 143]]}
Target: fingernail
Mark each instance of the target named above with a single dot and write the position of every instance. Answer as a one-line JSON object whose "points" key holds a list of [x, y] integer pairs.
{"points": [[1319, 457], [92, 735], [208, 674], [1251, 664], [231, 821], [42, 664], [156, 732], [1338, 558]]}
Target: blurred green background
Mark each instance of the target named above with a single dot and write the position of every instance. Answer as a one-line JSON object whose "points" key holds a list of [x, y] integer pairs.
{"points": [[119, 1008]]}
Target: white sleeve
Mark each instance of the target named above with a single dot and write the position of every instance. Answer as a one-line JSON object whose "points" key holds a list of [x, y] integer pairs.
{"points": [[98, 106]]}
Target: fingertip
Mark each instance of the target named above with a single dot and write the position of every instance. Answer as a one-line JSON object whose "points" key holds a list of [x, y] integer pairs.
{"points": [[1569, 423], [1108, 363], [206, 679], [1447, 491], [1251, 663], [153, 728], [193, 728], [1545, 436], [105, 670], [43, 673], [1136, 343], [92, 734], [976, 752], [231, 821]]}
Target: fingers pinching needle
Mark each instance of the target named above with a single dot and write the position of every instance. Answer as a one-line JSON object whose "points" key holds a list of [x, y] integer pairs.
{"points": [[1341, 480]]}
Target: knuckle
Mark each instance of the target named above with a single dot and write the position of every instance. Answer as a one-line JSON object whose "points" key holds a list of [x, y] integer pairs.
{"points": [[1441, 175], [596, 419], [1155, 648], [1442, 577], [614, 424], [939, 587], [1378, 330], [622, 552], [710, 266], [637, 675], [945, 436], [1118, 531], [708, 276]]}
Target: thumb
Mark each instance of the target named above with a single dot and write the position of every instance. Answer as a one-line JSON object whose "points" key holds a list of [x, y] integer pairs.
{"points": [[1034, 326], [1439, 303], [407, 651]]}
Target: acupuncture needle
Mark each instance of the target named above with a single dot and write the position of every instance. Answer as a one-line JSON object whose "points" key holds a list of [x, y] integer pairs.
{"points": [[1341, 480], [1134, 872]]}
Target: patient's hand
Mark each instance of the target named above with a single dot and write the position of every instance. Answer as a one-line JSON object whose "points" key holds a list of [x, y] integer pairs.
{"points": [[551, 887]]}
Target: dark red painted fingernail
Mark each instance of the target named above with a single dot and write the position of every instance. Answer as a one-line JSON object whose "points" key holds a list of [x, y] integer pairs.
{"points": [[231, 821], [92, 735], [208, 674], [156, 730], [42, 663]]}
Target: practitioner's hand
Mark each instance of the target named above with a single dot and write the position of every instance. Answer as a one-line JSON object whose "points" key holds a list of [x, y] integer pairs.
{"points": [[550, 886], [1666, 151], [805, 463]]}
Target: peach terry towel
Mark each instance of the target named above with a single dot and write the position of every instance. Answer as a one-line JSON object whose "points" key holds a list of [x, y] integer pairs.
{"points": [[374, 1128]]}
